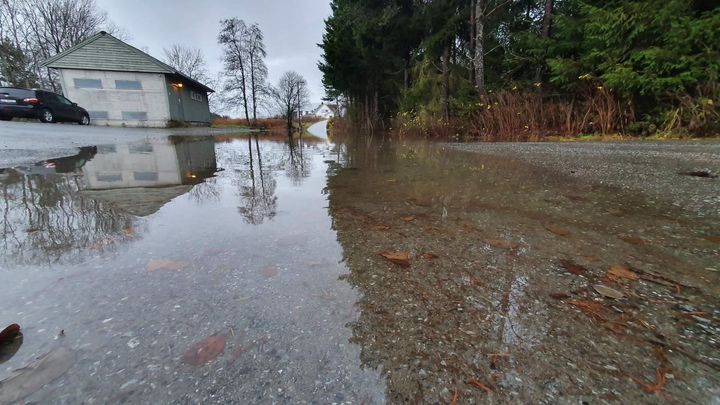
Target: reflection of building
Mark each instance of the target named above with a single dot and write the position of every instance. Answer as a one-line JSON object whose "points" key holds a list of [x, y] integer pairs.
{"points": [[154, 163], [141, 177]]}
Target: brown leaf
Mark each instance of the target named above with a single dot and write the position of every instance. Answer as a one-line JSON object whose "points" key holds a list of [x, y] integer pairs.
{"points": [[399, 258], [558, 231], [429, 256], [715, 239], [559, 296], [408, 218], [9, 333], [502, 244], [381, 227], [573, 267], [621, 273], [606, 291], [204, 351], [155, 265], [633, 240]]}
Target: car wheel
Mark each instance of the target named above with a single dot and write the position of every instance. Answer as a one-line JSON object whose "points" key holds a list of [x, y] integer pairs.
{"points": [[46, 116], [85, 120]]}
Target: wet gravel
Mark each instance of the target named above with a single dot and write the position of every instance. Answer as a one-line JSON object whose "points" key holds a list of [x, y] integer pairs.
{"points": [[658, 169]]}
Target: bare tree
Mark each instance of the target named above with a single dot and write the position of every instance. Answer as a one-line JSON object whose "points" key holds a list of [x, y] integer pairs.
{"points": [[43, 28], [258, 71], [290, 93], [190, 61], [233, 33]]}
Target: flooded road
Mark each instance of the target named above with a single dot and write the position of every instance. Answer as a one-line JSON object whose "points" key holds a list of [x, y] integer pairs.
{"points": [[247, 270]]}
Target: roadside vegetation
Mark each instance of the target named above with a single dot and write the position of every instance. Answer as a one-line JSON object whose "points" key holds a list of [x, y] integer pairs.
{"points": [[526, 69]]}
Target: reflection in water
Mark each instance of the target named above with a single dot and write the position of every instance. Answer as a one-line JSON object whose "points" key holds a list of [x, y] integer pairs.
{"points": [[93, 199], [483, 298]]}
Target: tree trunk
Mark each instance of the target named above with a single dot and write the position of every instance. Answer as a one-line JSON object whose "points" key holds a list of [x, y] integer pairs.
{"points": [[253, 89], [479, 59], [547, 19], [446, 83], [472, 42]]}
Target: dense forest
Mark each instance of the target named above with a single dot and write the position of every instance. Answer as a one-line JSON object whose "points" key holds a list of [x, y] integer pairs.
{"points": [[523, 69]]}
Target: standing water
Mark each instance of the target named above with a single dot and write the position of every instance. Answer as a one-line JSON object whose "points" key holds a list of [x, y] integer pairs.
{"points": [[247, 270]]}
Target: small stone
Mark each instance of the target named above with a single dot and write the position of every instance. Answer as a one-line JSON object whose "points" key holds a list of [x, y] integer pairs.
{"points": [[133, 343]]}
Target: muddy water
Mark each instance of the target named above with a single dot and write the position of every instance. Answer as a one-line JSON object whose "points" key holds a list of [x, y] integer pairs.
{"points": [[244, 270]]}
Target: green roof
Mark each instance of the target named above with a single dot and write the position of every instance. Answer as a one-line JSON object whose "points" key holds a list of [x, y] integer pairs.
{"points": [[103, 51]]}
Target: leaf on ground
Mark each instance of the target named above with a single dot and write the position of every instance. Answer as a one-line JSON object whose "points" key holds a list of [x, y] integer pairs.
{"points": [[573, 267], [155, 265], [608, 292], [31, 378], [399, 258], [205, 350], [269, 272], [621, 273], [589, 308], [633, 240], [559, 296], [429, 256], [10, 341], [558, 231], [381, 227], [502, 244], [480, 385], [715, 239], [408, 218]]}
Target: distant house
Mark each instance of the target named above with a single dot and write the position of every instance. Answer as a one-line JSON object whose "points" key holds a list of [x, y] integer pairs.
{"points": [[121, 85], [326, 110]]}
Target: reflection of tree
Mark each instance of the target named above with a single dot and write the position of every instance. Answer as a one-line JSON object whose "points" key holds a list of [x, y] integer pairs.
{"points": [[206, 191], [298, 164], [45, 218], [257, 187]]}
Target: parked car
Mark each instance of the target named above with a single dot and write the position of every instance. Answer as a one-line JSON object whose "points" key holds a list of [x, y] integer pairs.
{"points": [[44, 105]]}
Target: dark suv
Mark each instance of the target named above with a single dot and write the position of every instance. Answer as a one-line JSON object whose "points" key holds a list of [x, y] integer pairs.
{"points": [[41, 104]]}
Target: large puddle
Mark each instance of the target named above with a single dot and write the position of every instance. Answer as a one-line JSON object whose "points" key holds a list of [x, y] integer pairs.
{"points": [[201, 270]]}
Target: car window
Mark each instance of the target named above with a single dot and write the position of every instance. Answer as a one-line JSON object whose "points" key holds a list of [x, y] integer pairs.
{"points": [[15, 93], [63, 100], [48, 97]]}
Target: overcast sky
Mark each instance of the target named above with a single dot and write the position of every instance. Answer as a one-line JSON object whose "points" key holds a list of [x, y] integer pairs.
{"points": [[292, 28]]}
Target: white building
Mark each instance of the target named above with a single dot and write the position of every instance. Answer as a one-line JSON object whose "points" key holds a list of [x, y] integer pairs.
{"points": [[326, 111]]}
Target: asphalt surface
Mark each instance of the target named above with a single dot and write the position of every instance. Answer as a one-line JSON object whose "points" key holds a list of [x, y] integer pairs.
{"points": [[29, 142]]}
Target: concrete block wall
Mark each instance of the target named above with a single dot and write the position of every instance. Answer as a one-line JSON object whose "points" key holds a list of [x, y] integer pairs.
{"points": [[151, 100]]}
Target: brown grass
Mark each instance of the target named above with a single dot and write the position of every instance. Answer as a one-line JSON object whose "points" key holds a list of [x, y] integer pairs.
{"points": [[268, 124]]}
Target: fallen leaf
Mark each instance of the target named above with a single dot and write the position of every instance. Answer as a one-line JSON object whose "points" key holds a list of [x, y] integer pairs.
{"points": [[559, 296], [399, 258], [715, 239], [558, 231], [9, 333], [31, 378], [573, 267], [10, 341], [633, 240], [590, 308], [269, 272], [651, 389], [408, 218], [480, 385], [621, 273], [429, 256], [606, 291], [502, 244], [204, 351], [381, 227], [155, 265]]}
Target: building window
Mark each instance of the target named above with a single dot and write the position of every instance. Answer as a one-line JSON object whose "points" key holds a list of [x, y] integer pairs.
{"points": [[88, 83], [140, 148], [145, 176], [128, 85], [134, 115], [109, 177], [196, 96], [106, 149], [98, 115]]}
